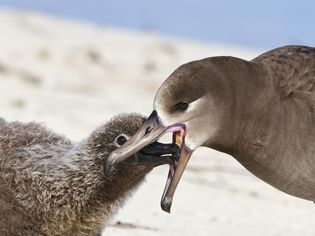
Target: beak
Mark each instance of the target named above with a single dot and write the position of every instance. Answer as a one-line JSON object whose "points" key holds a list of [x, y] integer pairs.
{"points": [[149, 132], [156, 154], [175, 173]]}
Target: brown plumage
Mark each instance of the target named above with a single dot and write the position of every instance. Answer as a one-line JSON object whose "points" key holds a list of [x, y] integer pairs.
{"points": [[262, 112], [51, 186]]}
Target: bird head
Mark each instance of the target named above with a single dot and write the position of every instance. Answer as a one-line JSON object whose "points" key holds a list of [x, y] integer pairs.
{"points": [[116, 133], [187, 104]]}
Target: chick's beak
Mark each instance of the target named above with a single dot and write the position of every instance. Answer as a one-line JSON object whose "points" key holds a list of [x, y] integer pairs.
{"points": [[149, 132]]}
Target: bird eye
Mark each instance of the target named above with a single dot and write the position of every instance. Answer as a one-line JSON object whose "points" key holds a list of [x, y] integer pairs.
{"points": [[121, 139], [181, 106]]}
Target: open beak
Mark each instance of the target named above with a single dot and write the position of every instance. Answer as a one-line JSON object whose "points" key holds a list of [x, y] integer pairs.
{"points": [[149, 132], [156, 154]]}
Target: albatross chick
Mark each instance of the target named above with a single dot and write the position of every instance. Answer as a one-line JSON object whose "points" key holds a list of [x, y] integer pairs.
{"points": [[51, 186]]}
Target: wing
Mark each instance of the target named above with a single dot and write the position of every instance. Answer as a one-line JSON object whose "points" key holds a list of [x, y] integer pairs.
{"points": [[292, 69]]}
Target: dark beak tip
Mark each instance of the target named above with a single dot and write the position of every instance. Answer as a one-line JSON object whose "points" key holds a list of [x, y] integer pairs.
{"points": [[166, 205]]}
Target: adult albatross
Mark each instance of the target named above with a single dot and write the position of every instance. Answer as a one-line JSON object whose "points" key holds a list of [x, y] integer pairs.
{"points": [[261, 112]]}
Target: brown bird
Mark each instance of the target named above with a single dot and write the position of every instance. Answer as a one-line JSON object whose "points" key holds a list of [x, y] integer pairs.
{"points": [[51, 186], [262, 112]]}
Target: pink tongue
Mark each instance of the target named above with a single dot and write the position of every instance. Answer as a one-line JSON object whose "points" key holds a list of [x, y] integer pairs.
{"points": [[176, 128]]}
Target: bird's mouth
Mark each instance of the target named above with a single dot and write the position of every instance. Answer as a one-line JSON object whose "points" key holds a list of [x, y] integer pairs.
{"points": [[156, 154], [149, 132]]}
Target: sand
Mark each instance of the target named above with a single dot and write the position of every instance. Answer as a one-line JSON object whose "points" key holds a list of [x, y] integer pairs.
{"points": [[73, 76]]}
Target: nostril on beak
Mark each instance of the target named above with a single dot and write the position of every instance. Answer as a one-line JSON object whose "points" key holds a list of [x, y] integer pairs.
{"points": [[148, 130]]}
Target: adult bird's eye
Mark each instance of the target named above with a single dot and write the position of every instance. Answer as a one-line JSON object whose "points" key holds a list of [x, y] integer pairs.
{"points": [[181, 106], [121, 139]]}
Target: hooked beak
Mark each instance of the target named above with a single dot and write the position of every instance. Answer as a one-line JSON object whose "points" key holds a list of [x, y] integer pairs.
{"points": [[149, 132]]}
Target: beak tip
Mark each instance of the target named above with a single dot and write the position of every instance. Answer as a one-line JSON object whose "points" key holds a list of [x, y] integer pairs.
{"points": [[166, 204]]}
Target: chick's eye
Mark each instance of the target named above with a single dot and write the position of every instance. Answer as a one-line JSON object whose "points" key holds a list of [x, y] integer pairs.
{"points": [[121, 139], [181, 106]]}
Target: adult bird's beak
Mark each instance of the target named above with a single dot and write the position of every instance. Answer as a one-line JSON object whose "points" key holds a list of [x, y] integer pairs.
{"points": [[176, 170], [149, 132]]}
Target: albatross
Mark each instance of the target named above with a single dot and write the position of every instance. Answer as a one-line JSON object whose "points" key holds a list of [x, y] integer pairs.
{"points": [[261, 112], [52, 186]]}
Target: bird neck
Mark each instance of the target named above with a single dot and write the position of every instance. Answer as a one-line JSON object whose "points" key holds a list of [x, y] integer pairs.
{"points": [[93, 198], [70, 194], [242, 104]]}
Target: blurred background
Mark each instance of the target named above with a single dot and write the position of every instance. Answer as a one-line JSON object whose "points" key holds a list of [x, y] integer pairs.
{"points": [[74, 64], [263, 24]]}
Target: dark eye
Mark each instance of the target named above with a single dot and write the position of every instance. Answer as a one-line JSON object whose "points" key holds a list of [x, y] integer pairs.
{"points": [[120, 140], [181, 106]]}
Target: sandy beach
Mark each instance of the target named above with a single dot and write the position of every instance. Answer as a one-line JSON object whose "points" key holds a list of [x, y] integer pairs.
{"points": [[74, 76]]}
